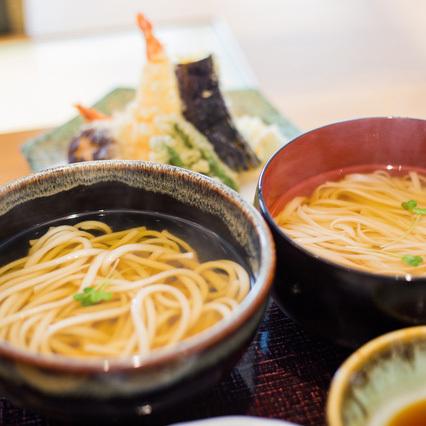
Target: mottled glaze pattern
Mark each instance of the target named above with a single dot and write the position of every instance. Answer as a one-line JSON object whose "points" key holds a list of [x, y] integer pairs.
{"points": [[59, 386], [345, 305], [379, 379], [191, 188]]}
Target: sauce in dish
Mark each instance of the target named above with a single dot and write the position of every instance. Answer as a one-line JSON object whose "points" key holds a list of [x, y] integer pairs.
{"points": [[412, 415]]}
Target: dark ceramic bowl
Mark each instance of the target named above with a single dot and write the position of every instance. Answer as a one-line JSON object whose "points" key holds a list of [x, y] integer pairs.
{"points": [[345, 305], [71, 389]]}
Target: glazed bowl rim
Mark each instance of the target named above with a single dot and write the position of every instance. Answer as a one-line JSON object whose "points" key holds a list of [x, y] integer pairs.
{"points": [[326, 262], [224, 329], [366, 353]]}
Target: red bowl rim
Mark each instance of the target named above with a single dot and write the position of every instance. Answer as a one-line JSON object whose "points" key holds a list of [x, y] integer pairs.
{"points": [[277, 230]]}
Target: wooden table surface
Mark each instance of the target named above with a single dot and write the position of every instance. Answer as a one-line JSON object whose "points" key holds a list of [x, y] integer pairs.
{"points": [[12, 162]]}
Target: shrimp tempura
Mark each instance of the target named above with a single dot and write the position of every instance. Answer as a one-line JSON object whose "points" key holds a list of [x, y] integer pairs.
{"points": [[158, 93], [157, 96], [154, 48]]}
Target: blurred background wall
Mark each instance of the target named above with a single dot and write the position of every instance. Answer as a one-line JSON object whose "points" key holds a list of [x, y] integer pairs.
{"points": [[318, 60]]}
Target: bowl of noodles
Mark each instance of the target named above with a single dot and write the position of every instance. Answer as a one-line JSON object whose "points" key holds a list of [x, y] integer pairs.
{"points": [[126, 287], [346, 204]]}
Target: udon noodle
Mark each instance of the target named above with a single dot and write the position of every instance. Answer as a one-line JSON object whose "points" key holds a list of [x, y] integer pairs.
{"points": [[86, 291], [372, 221]]}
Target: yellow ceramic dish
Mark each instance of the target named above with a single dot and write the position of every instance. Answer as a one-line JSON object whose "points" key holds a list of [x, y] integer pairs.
{"points": [[379, 379]]}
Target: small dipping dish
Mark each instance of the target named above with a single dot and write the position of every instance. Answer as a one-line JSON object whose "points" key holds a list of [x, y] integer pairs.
{"points": [[381, 379]]}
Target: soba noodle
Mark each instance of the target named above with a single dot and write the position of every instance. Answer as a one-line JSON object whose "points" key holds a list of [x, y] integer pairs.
{"points": [[361, 222], [113, 294]]}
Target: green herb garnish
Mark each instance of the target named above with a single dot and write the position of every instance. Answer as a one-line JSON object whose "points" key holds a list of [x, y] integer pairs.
{"points": [[92, 296], [418, 210], [411, 206], [412, 260]]}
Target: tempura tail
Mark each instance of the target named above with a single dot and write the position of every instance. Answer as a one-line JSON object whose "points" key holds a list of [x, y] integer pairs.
{"points": [[154, 49], [91, 114]]}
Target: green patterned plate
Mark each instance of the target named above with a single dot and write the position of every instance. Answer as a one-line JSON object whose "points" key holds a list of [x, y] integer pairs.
{"points": [[50, 149]]}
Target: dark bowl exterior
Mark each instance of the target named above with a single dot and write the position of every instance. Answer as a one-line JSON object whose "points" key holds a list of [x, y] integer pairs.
{"points": [[70, 389], [146, 393], [344, 305]]}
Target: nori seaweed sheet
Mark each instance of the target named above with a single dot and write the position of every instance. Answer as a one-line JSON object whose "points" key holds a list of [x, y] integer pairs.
{"points": [[205, 108]]}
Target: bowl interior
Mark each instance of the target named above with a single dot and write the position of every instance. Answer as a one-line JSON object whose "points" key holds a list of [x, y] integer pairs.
{"points": [[197, 202], [363, 143], [379, 380]]}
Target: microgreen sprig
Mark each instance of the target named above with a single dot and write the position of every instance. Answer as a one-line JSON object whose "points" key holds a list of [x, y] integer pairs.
{"points": [[92, 296], [411, 206], [412, 260]]}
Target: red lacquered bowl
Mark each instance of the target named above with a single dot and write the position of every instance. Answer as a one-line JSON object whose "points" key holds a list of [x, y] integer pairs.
{"points": [[345, 305]]}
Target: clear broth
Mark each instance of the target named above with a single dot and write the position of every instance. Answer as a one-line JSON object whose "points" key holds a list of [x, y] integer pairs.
{"points": [[307, 186], [207, 244]]}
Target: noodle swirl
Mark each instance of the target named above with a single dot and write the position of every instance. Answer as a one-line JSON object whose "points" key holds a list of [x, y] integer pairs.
{"points": [[86, 291], [359, 221]]}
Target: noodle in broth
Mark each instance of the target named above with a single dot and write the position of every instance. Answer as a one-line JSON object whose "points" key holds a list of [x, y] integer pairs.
{"points": [[372, 221], [86, 291]]}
